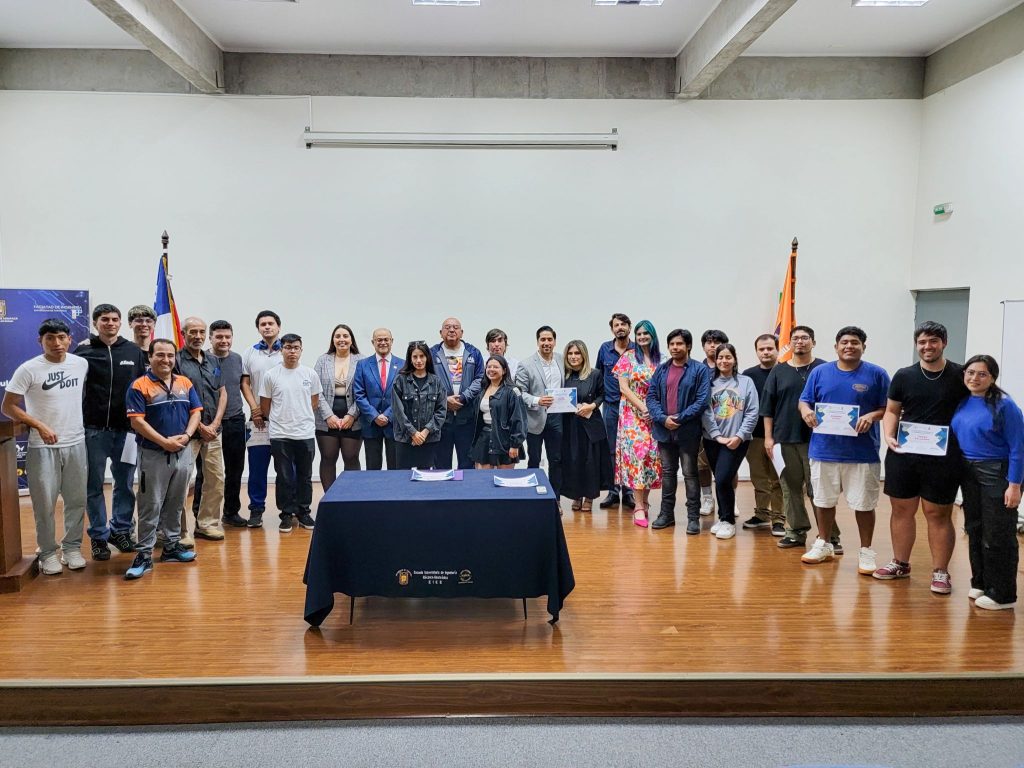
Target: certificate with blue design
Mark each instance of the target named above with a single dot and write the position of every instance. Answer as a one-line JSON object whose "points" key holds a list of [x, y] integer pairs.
{"points": [[925, 439], [565, 399], [836, 419]]}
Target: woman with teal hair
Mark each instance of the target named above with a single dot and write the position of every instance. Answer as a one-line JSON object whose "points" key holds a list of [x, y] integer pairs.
{"points": [[637, 463]]}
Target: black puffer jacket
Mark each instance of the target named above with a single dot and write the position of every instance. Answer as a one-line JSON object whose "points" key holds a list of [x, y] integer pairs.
{"points": [[508, 419], [111, 371]]}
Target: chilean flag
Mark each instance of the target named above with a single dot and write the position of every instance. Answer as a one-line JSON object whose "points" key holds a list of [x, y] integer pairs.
{"points": [[168, 326]]}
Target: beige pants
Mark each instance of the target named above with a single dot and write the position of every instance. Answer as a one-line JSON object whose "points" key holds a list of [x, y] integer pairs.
{"points": [[212, 456]]}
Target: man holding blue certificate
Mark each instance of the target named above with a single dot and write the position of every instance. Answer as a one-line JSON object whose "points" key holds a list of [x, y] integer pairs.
{"points": [[922, 467], [842, 403]]}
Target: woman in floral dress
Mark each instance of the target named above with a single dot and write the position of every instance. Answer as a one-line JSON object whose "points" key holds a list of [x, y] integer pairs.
{"points": [[637, 463]]}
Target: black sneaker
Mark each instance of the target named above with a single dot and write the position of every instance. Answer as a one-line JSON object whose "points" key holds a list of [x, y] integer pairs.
{"points": [[778, 529], [789, 542], [755, 523], [100, 550], [837, 548], [122, 541], [235, 520], [255, 520], [286, 524], [692, 527], [306, 520]]}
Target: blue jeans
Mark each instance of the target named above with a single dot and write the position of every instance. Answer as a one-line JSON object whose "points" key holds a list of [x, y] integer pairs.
{"points": [[259, 463], [458, 437], [101, 445], [610, 417]]}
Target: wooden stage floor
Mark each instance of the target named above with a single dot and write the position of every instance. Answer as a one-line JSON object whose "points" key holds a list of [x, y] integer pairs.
{"points": [[659, 623]]}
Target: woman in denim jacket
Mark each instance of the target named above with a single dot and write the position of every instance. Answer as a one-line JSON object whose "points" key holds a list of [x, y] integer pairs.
{"points": [[418, 409]]}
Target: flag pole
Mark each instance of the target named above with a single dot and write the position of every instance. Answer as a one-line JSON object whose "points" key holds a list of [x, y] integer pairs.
{"points": [[792, 277]]}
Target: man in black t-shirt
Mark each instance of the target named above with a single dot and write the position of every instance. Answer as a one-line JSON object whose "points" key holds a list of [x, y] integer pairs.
{"points": [[926, 393], [780, 409], [769, 505]]}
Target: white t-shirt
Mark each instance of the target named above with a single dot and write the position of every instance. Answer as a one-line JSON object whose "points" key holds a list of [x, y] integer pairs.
{"points": [[453, 359], [291, 411], [53, 394], [256, 362]]}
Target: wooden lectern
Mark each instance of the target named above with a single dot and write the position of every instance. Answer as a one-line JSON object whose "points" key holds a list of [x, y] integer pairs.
{"points": [[15, 569]]}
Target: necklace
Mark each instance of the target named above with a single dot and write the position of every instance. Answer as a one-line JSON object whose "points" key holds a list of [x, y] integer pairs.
{"points": [[933, 378], [802, 371]]}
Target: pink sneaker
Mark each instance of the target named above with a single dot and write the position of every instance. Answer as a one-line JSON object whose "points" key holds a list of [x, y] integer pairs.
{"points": [[940, 583], [894, 570]]}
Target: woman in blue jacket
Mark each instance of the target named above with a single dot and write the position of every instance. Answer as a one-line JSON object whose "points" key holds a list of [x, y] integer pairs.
{"points": [[990, 429]]}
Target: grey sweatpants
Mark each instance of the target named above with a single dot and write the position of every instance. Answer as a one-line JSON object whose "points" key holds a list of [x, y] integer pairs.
{"points": [[163, 483], [53, 472]]}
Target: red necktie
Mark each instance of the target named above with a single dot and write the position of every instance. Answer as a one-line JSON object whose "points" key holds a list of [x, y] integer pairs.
{"points": [[383, 376]]}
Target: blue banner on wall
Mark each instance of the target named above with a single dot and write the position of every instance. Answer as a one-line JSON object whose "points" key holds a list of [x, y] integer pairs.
{"points": [[22, 310]]}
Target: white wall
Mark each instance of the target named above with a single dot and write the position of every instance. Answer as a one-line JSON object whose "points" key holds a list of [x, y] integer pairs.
{"points": [[972, 154], [688, 224]]}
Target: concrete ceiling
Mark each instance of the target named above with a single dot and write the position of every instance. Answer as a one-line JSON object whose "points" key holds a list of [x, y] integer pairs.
{"points": [[506, 27], [835, 28]]}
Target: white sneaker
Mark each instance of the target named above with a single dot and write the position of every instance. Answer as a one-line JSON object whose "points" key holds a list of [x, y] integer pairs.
{"points": [[50, 565], [707, 505], [725, 531], [716, 527], [989, 604], [819, 553], [867, 561], [73, 560], [974, 594]]}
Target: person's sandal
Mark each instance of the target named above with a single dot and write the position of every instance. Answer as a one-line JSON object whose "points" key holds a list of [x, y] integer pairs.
{"points": [[587, 505], [576, 505]]}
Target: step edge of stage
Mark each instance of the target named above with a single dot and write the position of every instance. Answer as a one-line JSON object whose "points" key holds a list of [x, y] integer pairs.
{"points": [[502, 677]]}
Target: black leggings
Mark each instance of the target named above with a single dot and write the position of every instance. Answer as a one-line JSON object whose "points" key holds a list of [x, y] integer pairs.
{"points": [[725, 463], [330, 447]]}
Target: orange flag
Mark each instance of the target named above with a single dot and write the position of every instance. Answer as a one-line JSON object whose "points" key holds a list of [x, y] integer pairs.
{"points": [[785, 318]]}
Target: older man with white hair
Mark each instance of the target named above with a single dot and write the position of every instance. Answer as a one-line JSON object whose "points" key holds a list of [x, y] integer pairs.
{"points": [[203, 370]]}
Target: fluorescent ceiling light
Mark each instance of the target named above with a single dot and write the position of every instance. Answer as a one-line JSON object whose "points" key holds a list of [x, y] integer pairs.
{"points": [[628, 2], [446, 2], [462, 140], [888, 3]]}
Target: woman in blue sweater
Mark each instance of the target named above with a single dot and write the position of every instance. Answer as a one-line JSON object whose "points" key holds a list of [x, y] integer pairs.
{"points": [[990, 429]]}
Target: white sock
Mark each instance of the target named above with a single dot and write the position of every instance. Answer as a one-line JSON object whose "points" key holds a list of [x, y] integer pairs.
{"points": [[705, 491]]}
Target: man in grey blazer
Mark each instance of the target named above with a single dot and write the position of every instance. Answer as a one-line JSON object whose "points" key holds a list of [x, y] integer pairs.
{"points": [[538, 373]]}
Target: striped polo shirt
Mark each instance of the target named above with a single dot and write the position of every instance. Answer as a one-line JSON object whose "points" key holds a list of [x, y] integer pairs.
{"points": [[165, 409]]}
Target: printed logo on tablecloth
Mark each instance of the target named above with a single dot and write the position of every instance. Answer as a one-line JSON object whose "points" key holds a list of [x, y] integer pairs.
{"points": [[404, 577], [465, 576]]}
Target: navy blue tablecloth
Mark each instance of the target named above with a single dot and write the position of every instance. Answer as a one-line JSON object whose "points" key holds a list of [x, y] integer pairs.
{"points": [[379, 533]]}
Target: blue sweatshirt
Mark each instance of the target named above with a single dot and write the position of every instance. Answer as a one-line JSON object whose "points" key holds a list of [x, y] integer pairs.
{"points": [[979, 441]]}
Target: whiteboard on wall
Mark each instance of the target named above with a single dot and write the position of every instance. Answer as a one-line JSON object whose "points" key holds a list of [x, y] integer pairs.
{"points": [[1011, 361]]}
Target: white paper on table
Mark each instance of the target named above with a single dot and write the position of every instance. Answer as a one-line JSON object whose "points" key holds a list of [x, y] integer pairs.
{"points": [[925, 439], [432, 475], [565, 399], [777, 461], [130, 452], [257, 436], [837, 419], [529, 481]]}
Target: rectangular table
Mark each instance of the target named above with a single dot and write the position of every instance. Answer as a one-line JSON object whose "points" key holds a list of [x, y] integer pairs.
{"points": [[379, 533]]}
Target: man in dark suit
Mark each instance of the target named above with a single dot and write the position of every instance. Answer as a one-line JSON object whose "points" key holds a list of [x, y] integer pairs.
{"points": [[375, 376]]}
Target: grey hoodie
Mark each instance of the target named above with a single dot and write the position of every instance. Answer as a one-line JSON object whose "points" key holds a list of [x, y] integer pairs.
{"points": [[732, 410]]}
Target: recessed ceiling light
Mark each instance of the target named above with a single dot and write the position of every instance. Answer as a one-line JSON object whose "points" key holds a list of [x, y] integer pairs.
{"points": [[888, 3], [446, 2], [628, 2]]}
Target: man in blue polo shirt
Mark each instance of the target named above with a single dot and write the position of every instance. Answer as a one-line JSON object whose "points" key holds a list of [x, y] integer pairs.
{"points": [[164, 410], [841, 463], [607, 356]]}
